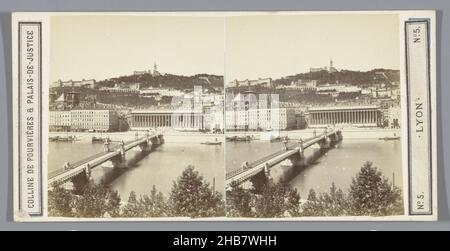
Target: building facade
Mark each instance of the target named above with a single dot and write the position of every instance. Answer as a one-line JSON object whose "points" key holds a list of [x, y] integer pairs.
{"points": [[394, 116], [87, 83], [369, 115], [260, 119], [266, 82], [60, 120], [83, 120], [98, 120]]}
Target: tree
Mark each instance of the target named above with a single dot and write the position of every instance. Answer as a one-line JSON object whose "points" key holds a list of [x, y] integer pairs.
{"points": [[372, 194], [333, 203], [113, 203], [312, 207], [97, 201], [153, 205], [79, 182], [277, 200], [259, 181], [131, 209], [292, 202], [239, 202], [191, 196], [60, 202]]}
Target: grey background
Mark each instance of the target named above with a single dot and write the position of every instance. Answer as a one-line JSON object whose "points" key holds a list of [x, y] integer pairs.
{"points": [[443, 91]]}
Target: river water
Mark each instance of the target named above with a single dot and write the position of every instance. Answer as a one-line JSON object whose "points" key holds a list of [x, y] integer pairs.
{"points": [[160, 167], [338, 165], [164, 165]]}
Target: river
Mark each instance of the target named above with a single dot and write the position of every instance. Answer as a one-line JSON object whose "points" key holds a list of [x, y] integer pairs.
{"points": [[165, 164], [338, 165], [159, 168]]}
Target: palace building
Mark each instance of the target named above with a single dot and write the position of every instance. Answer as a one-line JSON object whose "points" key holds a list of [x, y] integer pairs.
{"points": [[368, 115], [176, 119]]}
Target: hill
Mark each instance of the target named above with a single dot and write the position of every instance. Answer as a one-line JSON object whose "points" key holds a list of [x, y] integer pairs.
{"points": [[213, 83], [357, 78]]}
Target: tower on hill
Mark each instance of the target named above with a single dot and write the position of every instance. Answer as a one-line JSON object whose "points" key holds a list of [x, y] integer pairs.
{"points": [[155, 70]]}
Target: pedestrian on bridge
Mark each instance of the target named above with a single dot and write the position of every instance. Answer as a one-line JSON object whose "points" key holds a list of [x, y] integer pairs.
{"points": [[245, 165], [106, 145], [300, 143], [67, 166], [285, 143]]}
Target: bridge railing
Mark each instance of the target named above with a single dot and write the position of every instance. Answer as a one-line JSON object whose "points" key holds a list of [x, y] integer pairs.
{"points": [[258, 162], [87, 159], [75, 164], [253, 164]]}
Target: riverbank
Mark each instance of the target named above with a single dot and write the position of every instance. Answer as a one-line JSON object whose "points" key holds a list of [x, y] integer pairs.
{"points": [[172, 136], [169, 136], [351, 133]]}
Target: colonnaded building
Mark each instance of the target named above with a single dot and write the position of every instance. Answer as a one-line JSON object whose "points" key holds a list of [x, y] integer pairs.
{"points": [[176, 119], [101, 120], [368, 115]]}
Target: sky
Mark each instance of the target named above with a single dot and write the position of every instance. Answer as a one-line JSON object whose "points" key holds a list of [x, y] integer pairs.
{"points": [[276, 46], [102, 47], [241, 47]]}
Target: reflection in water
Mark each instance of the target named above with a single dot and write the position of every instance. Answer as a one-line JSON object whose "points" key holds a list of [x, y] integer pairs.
{"points": [[159, 168], [162, 166]]}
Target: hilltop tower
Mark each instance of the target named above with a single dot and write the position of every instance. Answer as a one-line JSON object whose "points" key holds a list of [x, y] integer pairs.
{"points": [[155, 70], [332, 69]]}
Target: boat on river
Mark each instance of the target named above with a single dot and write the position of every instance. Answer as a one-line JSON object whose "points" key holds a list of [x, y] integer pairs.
{"points": [[240, 138], [62, 139], [390, 138], [209, 143], [97, 139]]}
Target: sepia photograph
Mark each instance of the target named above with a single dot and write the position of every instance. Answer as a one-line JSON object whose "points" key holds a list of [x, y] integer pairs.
{"points": [[136, 117], [224, 116], [313, 116]]}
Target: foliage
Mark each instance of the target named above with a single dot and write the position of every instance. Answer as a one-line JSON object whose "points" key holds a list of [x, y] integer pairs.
{"points": [[333, 203], [191, 196], [60, 202], [132, 208], [239, 202], [167, 81], [372, 194], [94, 202], [275, 200], [344, 76], [153, 205], [97, 201]]}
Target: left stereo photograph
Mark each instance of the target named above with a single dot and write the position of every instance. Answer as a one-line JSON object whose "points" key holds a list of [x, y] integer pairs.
{"points": [[224, 116], [119, 116]]}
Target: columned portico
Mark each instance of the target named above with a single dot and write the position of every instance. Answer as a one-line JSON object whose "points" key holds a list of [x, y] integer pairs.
{"points": [[167, 119], [355, 115]]}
